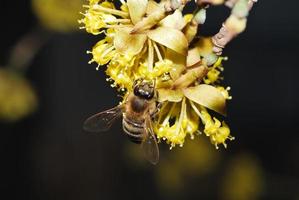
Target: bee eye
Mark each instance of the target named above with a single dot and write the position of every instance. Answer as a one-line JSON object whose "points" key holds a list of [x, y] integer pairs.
{"points": [[136, 91], [150, 95], [147, 95], [144, 93]]}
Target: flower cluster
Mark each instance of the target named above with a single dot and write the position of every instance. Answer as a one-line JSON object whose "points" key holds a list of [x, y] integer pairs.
{"points": [[156, 41]]}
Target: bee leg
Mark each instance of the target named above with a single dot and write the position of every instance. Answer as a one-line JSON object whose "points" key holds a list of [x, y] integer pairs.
{"points": [[157, 110]]}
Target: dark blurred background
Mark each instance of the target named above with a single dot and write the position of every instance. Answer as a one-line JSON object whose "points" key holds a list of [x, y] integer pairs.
{"points": [[48, 156]]}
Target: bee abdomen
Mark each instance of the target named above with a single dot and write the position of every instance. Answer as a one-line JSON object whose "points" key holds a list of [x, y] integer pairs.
{"points": [[133, 130]]}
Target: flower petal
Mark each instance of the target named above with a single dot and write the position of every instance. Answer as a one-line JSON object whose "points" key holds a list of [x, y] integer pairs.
{"points": [[137, 9], [193, 57], [170, 95], [152, 6], [126, 43], [175, 20], [150, 21], [207, 96], [171, 38], [204, 46]]}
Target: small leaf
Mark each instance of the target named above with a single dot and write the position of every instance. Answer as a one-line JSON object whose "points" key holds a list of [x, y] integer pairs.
{"points": [[170, 95], [137, 9], [126, 43], [207, 96], [171, 38]]}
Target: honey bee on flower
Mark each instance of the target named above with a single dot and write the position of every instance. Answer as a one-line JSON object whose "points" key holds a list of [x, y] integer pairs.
{"points": [[156, 42]]}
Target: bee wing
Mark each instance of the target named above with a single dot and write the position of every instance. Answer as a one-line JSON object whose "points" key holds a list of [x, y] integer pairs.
{"points": [[102, 121], [149, 144]]}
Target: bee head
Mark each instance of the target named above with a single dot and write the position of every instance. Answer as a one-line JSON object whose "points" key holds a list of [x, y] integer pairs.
{"points": [[144, 89]]}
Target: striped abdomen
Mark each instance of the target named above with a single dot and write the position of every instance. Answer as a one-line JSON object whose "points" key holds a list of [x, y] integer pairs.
{"points": [[133, 129]]}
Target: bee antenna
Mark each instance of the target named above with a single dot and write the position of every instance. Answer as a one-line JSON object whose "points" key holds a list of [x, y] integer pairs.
{"points": [[135, 82]]}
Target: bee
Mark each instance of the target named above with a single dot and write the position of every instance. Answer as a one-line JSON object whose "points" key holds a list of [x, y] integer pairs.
{"points": [[137, 112]]}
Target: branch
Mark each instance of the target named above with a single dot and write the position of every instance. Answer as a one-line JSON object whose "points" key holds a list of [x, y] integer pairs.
{"points": [[234, 25]]}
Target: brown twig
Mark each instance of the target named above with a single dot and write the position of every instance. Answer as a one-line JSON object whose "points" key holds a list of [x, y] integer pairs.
{"points": [[233, 26]]}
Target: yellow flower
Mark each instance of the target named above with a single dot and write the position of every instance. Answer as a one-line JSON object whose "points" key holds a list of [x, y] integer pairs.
{"points": [[120, 72], [175, 122], [94, 19], [217, 132], [213, 75], [188, 106], [102, 52]]}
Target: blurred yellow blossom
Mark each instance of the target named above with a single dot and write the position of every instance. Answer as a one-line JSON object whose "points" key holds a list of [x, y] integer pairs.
{"points": [[17, 97], [178, 168], [183, 165], [58, 15], [243, 179]]}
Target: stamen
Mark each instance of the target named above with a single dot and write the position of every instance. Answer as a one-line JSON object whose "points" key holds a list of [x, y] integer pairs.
{"points": [[162, 110], [158, 51], [183, 111], [118, 21], [196, 111], [166, 120], [116, 26], [91, 61], [111, 11], [107, 51], [150, 55]]}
